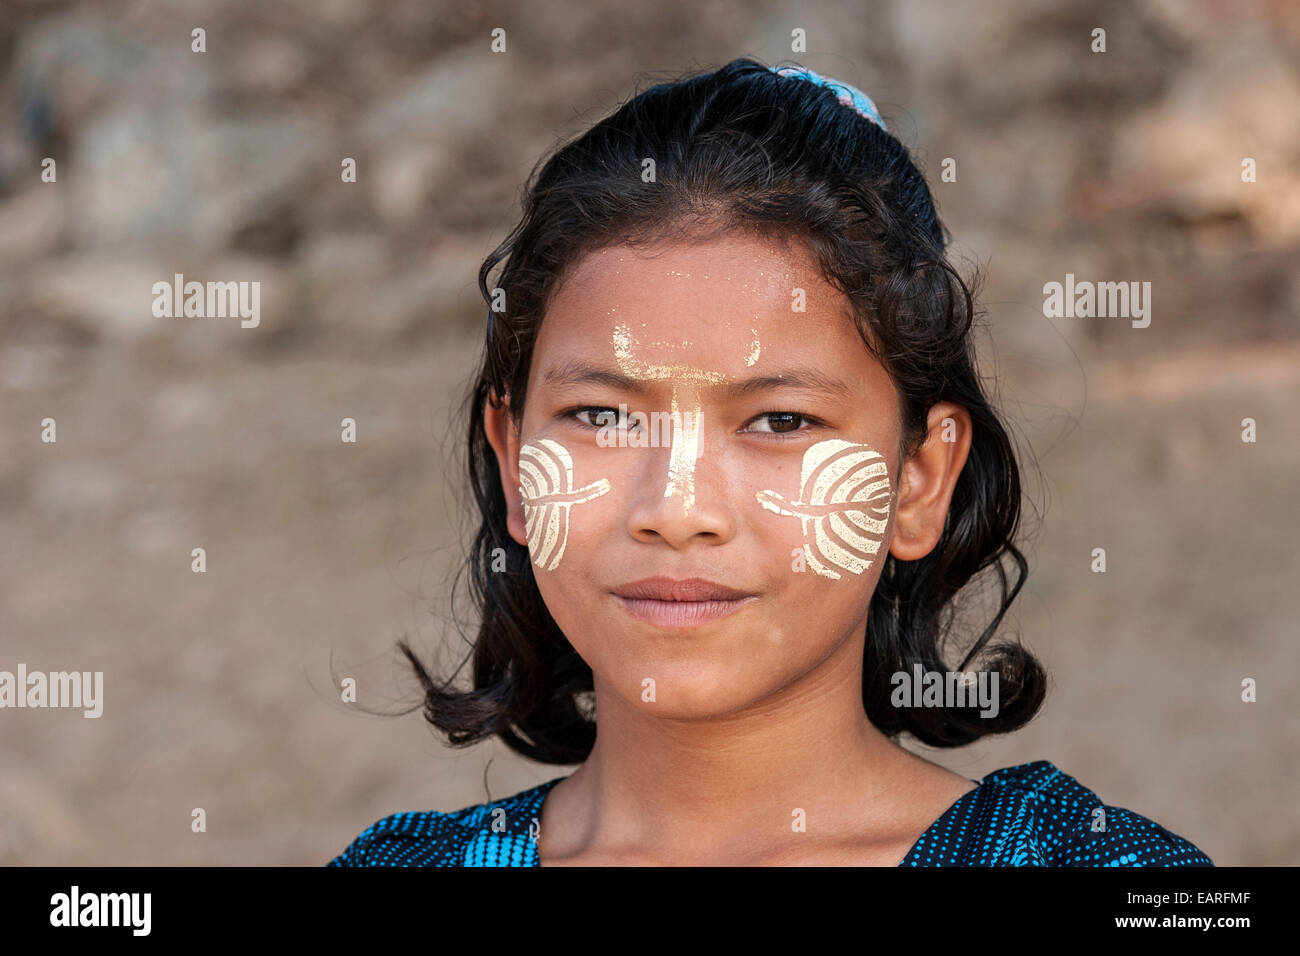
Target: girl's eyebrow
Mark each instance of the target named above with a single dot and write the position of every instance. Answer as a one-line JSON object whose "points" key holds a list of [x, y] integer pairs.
{"points": [[802, 377]]}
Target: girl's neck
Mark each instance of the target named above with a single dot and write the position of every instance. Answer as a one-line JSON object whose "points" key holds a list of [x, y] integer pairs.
{"points": [[803, 767]]}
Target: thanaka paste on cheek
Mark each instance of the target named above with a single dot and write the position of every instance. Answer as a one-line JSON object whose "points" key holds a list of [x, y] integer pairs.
{"points": [[843, 505], [546, 470]]}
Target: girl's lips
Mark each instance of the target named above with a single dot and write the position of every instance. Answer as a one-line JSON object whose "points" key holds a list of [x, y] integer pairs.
{"points": [[681, 614]]}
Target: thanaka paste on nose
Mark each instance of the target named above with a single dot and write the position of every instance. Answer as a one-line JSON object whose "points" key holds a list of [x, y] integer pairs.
{"points": [[686, 426], [843, 505], [546, 471], [686, 448]]}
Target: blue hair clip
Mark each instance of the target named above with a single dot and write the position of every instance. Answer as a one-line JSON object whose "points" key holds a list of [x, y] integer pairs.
{"points": [[850, 96]]}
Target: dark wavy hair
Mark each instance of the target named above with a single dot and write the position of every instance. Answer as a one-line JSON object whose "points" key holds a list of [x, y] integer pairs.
{"points": [[742, 148]]}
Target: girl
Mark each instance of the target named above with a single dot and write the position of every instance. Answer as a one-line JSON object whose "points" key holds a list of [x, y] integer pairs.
{"points": [[734, 464]]}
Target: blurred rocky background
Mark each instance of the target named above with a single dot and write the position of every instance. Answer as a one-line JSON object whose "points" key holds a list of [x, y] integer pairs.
{"points": [[179, 433]]}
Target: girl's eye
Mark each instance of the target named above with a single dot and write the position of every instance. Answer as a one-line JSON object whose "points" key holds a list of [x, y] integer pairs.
{"points": [[597, 416], [783, 423]]}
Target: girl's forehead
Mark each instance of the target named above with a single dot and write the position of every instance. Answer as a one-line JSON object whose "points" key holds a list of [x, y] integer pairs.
{"points": [[704, 293]]}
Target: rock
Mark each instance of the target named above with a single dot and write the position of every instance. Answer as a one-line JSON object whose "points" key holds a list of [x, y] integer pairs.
{"points": [[67, 490], [107, 294], [70, 66], [411, 139], [31, 223], [154, 178]]}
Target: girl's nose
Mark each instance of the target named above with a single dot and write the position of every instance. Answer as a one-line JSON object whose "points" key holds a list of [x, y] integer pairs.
{"points": [[677, 500]]}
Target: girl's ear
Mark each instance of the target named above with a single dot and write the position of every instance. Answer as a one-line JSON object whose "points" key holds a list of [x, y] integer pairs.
{"points": [[927, 480], [504, 439]]}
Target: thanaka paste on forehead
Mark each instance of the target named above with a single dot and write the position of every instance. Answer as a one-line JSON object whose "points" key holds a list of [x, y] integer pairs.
{"points": [[843, 505], [546, 473], [629, 364]]}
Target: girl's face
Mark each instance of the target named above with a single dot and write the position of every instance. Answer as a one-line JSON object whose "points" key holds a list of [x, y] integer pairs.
{"points": [[756, 449]]}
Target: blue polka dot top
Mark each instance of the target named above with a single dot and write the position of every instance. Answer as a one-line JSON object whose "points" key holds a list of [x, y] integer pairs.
{"points": [[1032, 814]]}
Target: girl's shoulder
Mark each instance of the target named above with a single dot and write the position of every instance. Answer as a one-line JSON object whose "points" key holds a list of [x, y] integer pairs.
{"points": [[495, 833], [1035, 814]]}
